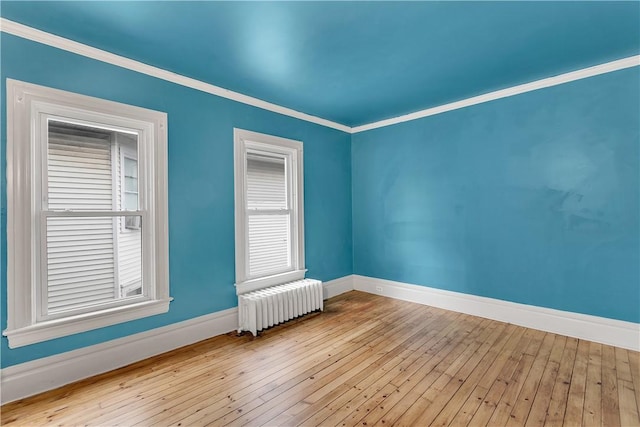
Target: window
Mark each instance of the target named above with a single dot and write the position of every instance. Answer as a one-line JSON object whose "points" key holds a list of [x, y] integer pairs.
{"points": [[268, 210], [87, 213]]}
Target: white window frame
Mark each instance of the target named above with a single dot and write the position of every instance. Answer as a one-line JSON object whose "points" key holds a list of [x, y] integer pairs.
{"points": [[244, 142], [28, 108]]}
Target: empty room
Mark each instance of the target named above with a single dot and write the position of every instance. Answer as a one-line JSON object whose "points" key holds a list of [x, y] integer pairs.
{"points": [[309, 213]]}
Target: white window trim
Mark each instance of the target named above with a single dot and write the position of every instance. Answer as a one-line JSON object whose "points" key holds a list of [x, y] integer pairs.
{"points": [[245, 141], [25, 104]]}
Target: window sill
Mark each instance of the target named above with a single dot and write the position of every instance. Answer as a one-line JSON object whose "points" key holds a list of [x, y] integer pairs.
{"points": [[265, 282], [57, 328]]}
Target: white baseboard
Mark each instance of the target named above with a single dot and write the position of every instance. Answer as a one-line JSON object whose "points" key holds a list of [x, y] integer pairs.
{"points": [[338, 286], [29, 378], [592, 328], [36, 376]]}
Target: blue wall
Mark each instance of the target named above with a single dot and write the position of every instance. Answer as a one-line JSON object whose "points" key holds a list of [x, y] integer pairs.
{"points": [[201, 218], [532, 198]]}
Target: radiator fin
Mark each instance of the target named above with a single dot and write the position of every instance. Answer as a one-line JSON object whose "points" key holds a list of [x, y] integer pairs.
{"points": [[271, 306]]}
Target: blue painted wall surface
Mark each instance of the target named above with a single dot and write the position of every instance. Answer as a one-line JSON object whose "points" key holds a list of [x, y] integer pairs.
{"points": [[532, 199], [201, 214]]}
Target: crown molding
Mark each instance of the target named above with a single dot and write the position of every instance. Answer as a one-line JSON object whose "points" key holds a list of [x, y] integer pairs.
{"points": [[620, 64], [39, 36], [29, 33]]}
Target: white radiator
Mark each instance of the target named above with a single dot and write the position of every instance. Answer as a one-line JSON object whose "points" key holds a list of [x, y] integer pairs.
{"points": [[267, 307]]}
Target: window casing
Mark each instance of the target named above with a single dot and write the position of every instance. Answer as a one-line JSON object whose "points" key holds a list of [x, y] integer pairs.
{"points": [[269, 219], [67, 215]]}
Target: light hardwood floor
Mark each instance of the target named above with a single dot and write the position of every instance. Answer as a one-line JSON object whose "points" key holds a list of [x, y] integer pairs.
{"points": [[366, 360]]}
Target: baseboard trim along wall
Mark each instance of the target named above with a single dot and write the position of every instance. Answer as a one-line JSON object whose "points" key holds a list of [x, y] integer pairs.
{"points": [[36, 376], [592, 328], [338, 286], [29, 378], [44, 374]]}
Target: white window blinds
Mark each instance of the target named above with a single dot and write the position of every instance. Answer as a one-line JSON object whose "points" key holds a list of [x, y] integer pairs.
{"points": [[89, 259], [269, 216], [266, 182], [80, 251]]}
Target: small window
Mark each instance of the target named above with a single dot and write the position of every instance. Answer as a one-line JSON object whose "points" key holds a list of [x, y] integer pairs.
{"points": [[87, 217], [269, 210]]}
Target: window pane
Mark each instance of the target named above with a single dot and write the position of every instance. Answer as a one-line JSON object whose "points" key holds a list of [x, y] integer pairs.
{"points": [[266, 182], [90, 261], [131, 201], [80, 166], [269, 244], [130, 256], [131, 184], [132, 222], [130, 168]]}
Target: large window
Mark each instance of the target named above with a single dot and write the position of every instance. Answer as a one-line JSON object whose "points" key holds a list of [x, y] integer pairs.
{"points": [[269, 210], [87, 218]]}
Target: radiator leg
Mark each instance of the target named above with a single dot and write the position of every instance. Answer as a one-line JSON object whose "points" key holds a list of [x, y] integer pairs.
{"points": [[252, 326], [241, 314]]}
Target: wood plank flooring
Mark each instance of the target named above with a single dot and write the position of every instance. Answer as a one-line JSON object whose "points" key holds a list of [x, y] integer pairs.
{"points": [[368, 361]]}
